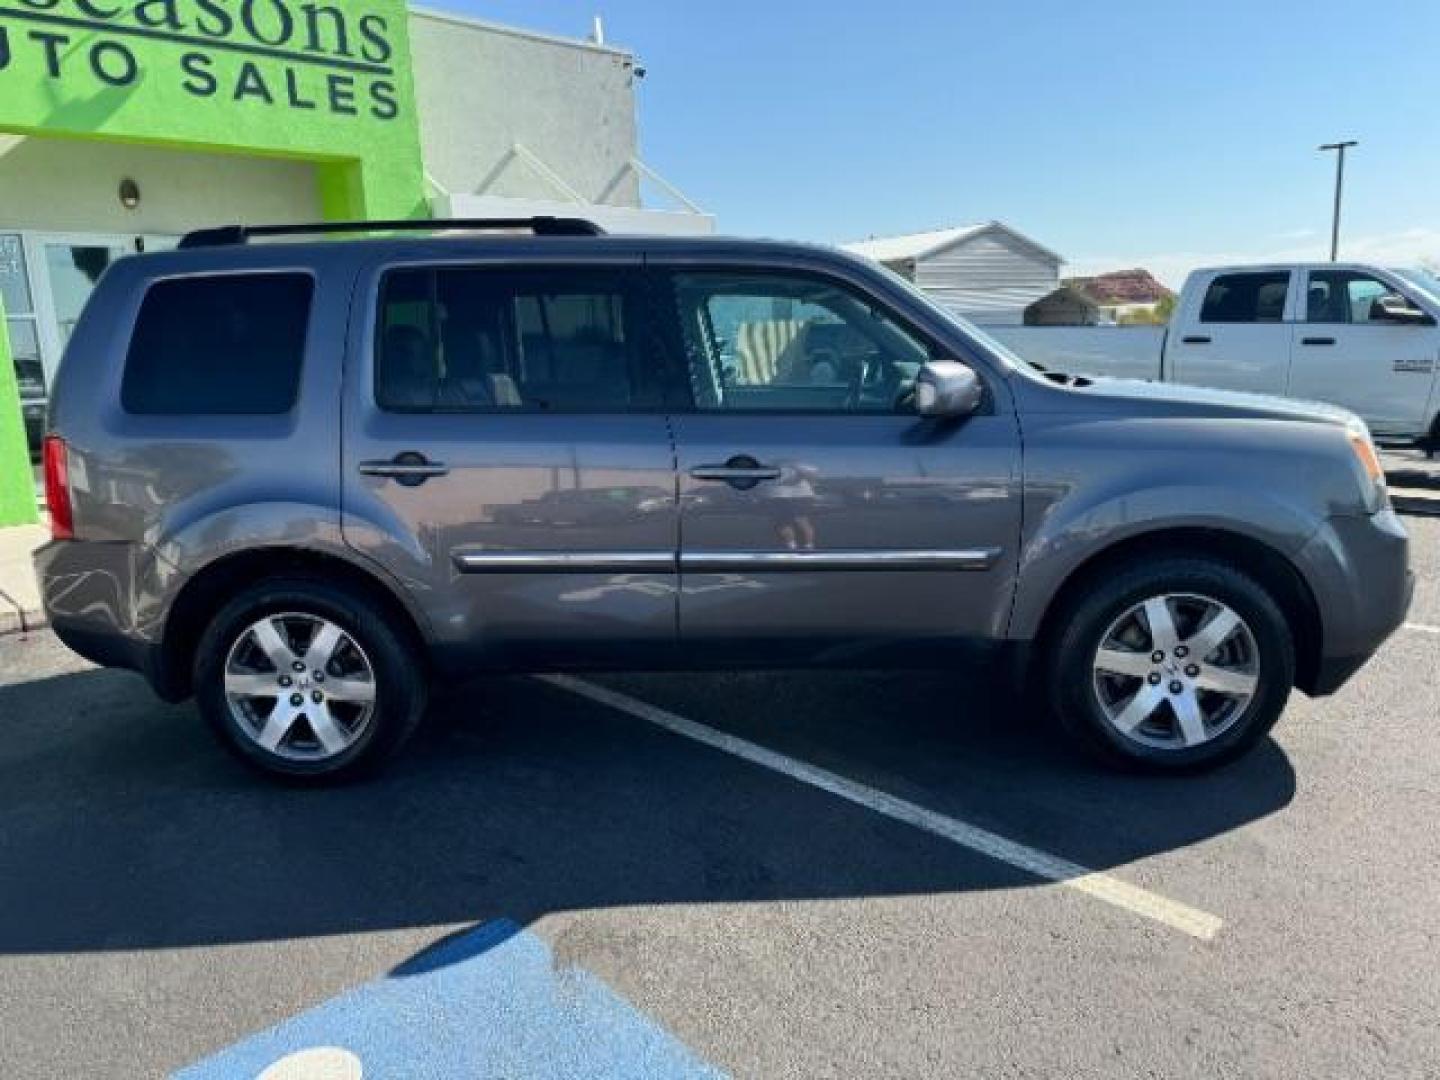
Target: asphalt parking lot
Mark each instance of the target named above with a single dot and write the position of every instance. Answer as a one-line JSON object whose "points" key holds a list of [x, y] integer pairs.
{"points": [[782, 875]]}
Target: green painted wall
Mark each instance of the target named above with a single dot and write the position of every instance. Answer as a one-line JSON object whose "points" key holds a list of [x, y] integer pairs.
{"points": [[323, 81], [17, 483]]}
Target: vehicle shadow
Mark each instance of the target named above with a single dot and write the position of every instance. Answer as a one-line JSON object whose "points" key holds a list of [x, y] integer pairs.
{"points": [[124, 825]]}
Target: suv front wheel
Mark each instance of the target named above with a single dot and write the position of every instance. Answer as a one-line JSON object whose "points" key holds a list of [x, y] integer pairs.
{"points": [[308, 680], [1176, 665]]}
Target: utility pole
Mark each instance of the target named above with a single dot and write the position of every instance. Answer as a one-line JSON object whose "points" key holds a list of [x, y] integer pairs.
{"points": [[1339, 148]]}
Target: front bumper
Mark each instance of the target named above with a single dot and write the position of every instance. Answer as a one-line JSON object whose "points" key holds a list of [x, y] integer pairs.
{"points": [[1359, 570]]}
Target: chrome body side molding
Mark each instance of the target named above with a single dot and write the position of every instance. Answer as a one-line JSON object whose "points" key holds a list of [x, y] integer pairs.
{"points": [[741, 561], [469, 561]]}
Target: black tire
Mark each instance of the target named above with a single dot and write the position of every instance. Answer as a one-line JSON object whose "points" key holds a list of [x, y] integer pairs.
{"points": [[1071, 650], [399, 682]]}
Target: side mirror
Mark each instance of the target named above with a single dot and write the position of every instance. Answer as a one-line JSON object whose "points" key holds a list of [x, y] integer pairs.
{"points": [[947, 389], [1394, 308]]}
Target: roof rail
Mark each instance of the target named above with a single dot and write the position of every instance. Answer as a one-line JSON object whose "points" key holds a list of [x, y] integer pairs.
{"points": [[230, 235]]}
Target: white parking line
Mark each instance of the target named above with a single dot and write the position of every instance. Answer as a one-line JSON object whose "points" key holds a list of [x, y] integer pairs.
{"points": [[1421, 628], [1177, 916]]}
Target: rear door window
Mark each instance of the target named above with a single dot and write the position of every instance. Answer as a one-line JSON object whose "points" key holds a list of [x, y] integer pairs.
{"points": [[225, 345], [1246, 298], [477, 340]]}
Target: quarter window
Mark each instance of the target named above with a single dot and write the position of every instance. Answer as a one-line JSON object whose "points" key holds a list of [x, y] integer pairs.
{"points": [[1246, 298], [223, 345], [479, 341], [791, 344]]}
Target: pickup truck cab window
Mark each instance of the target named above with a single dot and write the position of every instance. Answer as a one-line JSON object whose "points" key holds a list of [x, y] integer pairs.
{"points": [[1246, 298], [1349, 296]]}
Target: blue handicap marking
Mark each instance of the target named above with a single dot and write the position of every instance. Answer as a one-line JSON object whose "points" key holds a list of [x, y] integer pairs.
{"points": [[488, 1003]]}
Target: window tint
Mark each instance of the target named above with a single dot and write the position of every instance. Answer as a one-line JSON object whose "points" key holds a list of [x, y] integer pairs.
{"points": [[1246, 298], [480, 340], [791, 343], [1344, 296], [226, 345]]}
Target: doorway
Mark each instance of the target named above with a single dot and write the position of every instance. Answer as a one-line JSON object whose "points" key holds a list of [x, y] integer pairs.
{"points": [[64, 269]]}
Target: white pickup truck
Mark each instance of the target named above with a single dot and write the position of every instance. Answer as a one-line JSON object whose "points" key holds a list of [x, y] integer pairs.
{"points": [[1362, 337]]}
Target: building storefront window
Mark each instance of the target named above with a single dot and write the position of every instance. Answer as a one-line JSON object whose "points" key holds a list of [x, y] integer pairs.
{"points": [[21, 324]]}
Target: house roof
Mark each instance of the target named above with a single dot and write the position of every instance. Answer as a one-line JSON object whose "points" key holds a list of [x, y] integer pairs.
{"points": [[922, 245], [1136, 286]]}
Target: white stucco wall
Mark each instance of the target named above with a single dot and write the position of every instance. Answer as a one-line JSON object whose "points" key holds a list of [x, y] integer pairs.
{"points": [[483, 88], [57, 185]]}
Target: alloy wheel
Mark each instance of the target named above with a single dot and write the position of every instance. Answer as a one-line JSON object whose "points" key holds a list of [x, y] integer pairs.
{"points": [[299, 687], [1176, 671]]}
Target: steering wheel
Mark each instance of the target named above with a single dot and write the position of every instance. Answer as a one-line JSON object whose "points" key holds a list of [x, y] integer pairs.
{"points": [[905, 398], [873, 379]]}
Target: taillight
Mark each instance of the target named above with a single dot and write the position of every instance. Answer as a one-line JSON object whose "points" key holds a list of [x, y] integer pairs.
{"points": [[57, 488]]}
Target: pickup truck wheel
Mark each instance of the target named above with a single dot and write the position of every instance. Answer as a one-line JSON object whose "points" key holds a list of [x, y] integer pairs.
{"points": [[1176, 665], [308, 681]]}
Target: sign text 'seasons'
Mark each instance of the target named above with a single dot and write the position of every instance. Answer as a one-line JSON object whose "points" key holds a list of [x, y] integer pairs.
{"points": [[304, 55]]}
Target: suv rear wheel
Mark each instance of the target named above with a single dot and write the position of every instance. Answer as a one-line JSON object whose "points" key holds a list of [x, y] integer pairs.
{"points": [[307, 680], [1176, 665]]}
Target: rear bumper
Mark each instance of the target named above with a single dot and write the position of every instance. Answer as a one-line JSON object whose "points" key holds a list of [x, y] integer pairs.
{"points": [[1359, 569], [89, 593]]}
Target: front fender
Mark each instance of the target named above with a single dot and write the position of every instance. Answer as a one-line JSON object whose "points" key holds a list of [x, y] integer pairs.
{"points": [[1072, 529]]}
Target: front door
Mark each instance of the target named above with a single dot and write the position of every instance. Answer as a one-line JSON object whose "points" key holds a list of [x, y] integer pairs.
{"points": [[1348, 352], [508, 460], [1239, 339], [822, 521]]}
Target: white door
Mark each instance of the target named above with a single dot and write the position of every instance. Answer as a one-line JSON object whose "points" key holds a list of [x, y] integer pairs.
{"points": [[1239, 338], [1351, 350]]}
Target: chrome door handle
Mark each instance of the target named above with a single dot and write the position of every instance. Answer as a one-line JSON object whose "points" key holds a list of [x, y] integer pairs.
{"points": [[727, 474], [741, 473], [410, 469]]}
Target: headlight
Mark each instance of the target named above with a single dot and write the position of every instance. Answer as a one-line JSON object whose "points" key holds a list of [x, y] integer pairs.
{"points": [[1368, 457]]}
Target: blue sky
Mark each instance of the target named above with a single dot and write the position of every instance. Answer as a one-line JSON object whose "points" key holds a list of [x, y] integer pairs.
{"points": [[1118, 133]]}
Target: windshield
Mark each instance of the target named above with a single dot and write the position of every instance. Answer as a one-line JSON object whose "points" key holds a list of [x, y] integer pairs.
{"points": [[1423, 280], [964, 325]]}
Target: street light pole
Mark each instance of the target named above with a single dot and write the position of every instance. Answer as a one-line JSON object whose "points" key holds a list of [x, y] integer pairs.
{"points": [[1339, 148]]}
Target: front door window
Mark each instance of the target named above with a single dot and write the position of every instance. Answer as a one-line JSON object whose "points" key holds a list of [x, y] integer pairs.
{"points": [[793, 344], [1347, 296]]}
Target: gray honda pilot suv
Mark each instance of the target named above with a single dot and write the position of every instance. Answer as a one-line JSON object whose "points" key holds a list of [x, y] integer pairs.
{"points": [[305, 480]]}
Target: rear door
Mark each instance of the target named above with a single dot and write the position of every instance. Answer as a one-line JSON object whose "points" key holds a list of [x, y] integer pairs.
{"points": [[1350, 353], [507, 458], [822, 520], [1235, 333]]}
